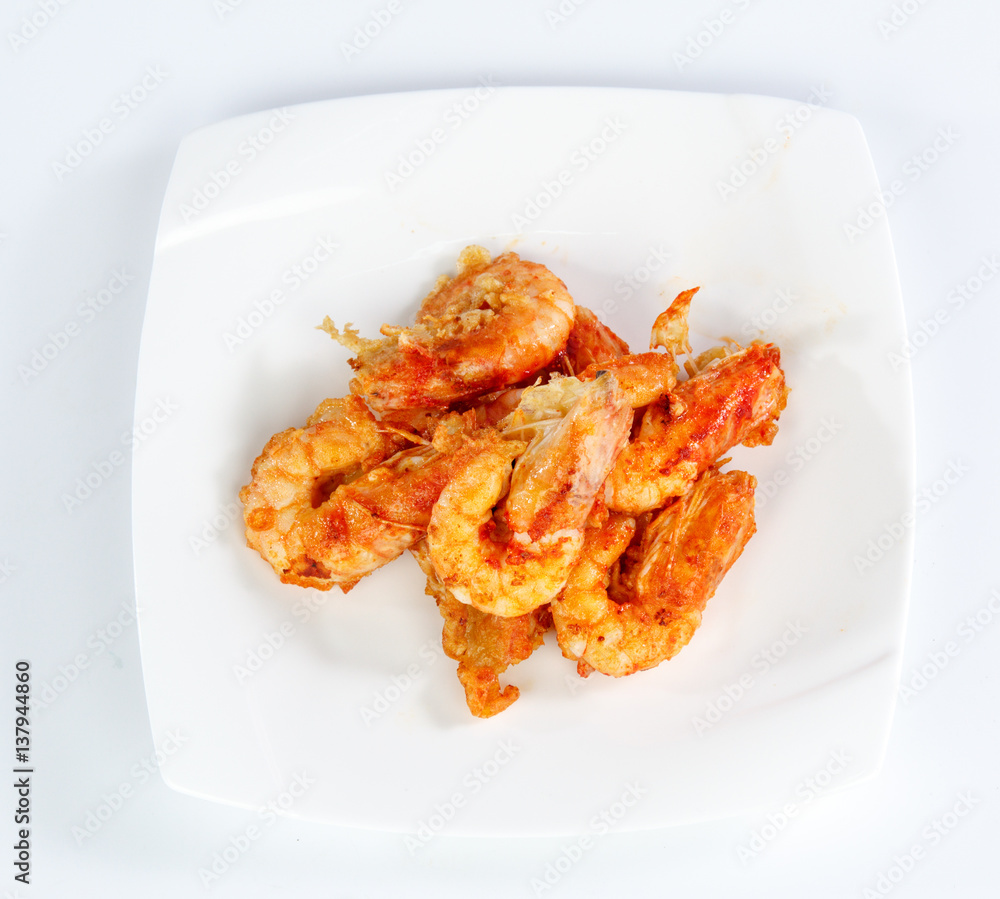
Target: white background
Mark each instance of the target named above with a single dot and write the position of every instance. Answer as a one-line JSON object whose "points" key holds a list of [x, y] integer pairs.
{"points": [[67, 575]]}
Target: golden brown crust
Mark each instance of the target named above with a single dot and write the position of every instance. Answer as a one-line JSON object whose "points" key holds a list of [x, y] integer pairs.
{"points": [[484, 645], [591, 342], [645, 377], [736, 400], [670, 574], [494, 325], [615, 525], [670, 330]]}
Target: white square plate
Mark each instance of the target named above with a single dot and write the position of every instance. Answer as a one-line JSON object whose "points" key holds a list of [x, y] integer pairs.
{"points": [[628, 196]]}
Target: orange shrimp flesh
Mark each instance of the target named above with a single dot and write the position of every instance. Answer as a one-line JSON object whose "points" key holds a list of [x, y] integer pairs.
{"points": [[494, 325], [515, 563], [483, 644], [735, 400], [299, 468], [684, 553]]}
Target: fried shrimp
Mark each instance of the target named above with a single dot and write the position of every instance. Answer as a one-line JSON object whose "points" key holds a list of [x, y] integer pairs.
{"points": [[372, 520], [484, 645], [670, 330], [336, 525], [736, 399], [516, 561], [591, 342], [684, 553], [494, 325], [540, 472], [297, 470], [495, 407], [645, 377]]}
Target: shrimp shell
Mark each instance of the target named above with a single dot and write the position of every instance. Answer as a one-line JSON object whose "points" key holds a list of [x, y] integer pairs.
{"points": [[494, 325], [324, 507], [735, 400], [484, 645], [591, 341], [684, 553], [515, 566], [340, 441]]}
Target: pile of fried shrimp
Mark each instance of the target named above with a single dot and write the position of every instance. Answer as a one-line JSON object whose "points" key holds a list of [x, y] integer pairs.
{"points": [[541, 473]]}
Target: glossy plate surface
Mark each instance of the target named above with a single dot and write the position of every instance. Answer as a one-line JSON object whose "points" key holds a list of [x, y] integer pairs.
{"points": [[343, 708]]}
